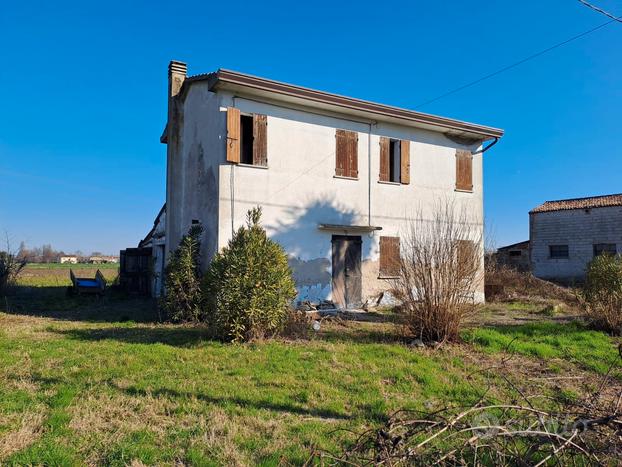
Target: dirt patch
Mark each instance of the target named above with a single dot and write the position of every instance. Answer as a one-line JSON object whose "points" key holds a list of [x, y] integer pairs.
{"points": [[522, 312]]}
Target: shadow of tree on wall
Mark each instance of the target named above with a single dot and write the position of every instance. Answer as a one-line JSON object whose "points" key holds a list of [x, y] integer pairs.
{"points": [[308, 248]]}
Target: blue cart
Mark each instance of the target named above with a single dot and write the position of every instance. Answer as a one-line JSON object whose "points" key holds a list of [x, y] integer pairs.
{"points": [[88, 285]]}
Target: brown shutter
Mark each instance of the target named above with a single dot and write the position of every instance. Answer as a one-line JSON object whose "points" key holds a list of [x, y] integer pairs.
{"points": [[465, 254], [233, 135], [464, 170], [353, 156], [346, 150], [405, 162], [385, 144], [340, 153], [389, 256], [260, 140]]}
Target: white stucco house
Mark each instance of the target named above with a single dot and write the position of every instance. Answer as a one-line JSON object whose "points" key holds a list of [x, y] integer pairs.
{"points": [[565, 235], [337, 177], [69, 259]]}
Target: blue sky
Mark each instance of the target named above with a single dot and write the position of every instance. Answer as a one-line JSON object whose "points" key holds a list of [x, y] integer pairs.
{"points": [[83, 89]]}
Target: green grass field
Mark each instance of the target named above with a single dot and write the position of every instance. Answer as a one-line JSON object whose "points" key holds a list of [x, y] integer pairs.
{"points": [[95, 381], [57, 275]]}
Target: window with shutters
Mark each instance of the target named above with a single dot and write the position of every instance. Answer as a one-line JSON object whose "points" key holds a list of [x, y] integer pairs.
{"points": [[389, 256], [394, 160], [464, 170], [604, 248], [346, 153], [246, 138]]}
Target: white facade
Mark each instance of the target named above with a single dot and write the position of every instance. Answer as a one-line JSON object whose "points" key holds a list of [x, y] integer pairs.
{"points": [[156, 240], [578, 229], [69, 259], [298, 190]]}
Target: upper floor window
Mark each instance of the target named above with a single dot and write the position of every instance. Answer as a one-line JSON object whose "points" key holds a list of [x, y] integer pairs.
{"points": [[247, 141], [346, 152], [558, 251], [394, 160], [608, 248], [464, 170]]}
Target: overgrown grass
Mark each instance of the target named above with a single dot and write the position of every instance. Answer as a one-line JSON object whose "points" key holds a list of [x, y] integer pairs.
{"points": [[113, 393], [86, 380], [571, 341], [57, 275]]}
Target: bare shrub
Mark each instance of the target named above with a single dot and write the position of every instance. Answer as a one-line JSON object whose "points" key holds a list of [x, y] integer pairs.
{"points": [[297, 325], [506, 283], [602, 293], [510, 426], [10, 267], [439, 273]]}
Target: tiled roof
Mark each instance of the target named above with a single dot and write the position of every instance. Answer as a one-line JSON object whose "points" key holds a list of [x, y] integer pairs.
{"points": [[580, 203], [518, 245]]}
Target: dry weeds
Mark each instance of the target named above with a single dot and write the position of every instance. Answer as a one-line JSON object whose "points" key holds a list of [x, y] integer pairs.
{"points": [[30, 428]]}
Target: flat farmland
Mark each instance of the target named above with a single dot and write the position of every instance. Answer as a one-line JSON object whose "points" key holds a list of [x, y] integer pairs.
{"points": [[57, 275]]}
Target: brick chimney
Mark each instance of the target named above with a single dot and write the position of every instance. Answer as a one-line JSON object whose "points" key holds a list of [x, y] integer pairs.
{"points": [[176, 76]]}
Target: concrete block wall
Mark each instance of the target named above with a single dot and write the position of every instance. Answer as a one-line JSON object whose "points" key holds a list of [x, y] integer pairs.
{"points": [[580, 229]]}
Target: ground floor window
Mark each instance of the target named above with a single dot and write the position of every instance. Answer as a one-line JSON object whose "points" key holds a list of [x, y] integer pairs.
{"points": [[600, 248], [389, 256], [558, 251]]}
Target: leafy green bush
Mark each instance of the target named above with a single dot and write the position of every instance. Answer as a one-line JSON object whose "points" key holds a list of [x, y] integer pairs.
{"points": [[602, 293], [249, 286], [182, 298]]}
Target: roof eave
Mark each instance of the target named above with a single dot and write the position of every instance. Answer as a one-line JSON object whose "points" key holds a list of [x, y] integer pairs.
{"points": [[227, 79]]}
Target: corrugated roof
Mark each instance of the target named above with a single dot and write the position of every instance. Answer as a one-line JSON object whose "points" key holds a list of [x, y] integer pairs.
{"points": [[580, 203]]}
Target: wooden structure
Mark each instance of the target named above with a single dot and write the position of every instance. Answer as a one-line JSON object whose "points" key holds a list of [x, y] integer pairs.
{"points": [[135, 270], [88, 285]]}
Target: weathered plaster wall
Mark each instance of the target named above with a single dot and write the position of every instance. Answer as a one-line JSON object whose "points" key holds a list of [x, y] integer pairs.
{"points": [[193, 169], [158, 244], [299, 190], [580, 229]]}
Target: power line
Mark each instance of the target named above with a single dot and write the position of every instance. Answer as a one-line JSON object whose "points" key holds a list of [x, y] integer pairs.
{"points": [[600, 10], [515, 64]]}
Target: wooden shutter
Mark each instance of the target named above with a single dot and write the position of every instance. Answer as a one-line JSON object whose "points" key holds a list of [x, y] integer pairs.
{"points": [[346, 164], [464, 170], [465, 254], [389, 256], [405, 162], [385, 145], [260, 140], [233, 135]]}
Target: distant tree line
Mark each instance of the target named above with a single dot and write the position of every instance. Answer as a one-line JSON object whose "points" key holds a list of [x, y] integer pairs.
{"points": [[47, 254]]}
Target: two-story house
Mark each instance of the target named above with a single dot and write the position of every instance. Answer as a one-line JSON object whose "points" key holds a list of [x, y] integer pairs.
{"points": [[338, 178]]}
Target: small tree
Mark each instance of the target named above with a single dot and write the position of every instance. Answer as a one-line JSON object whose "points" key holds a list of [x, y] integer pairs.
{"points": [[602, 293], [439, 272], [181, 301], [249, 286]]}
